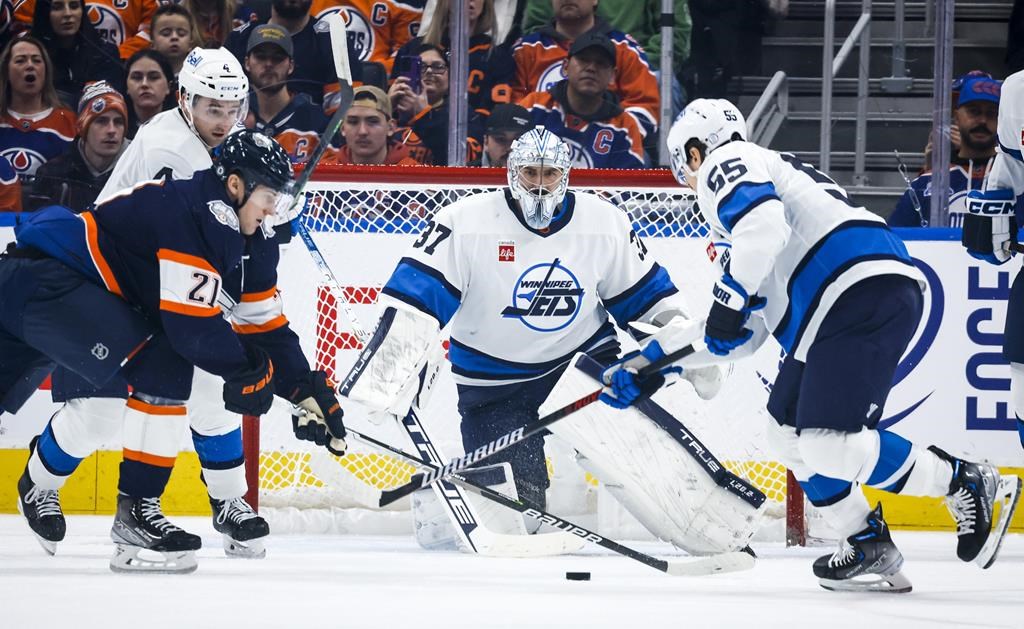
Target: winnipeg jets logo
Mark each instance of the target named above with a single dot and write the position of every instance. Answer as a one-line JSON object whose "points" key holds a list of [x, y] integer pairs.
{"points": [[224, 214], [100, 351], [546, 297]]}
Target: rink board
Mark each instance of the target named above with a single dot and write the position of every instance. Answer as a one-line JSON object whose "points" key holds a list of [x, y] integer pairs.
{"points": [[952, 389]]}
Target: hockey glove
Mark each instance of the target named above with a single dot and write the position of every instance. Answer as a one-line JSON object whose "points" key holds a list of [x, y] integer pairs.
{"points": [[990, 227], [317, 415], [626, 386], [251, 390], [731, 309]]}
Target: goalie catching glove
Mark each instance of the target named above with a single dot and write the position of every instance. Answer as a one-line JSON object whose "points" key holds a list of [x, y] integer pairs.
{"points": [[317, 415], [990, 227], [251, 391]]}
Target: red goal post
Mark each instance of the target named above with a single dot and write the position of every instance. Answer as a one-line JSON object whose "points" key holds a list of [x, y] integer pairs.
{"points": [[363, 217]]}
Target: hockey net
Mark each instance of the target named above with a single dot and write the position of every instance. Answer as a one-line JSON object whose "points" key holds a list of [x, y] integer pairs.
{"points": [[362, 219]]}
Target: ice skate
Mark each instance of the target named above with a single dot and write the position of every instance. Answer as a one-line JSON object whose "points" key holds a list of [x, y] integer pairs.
{"points": [[41, 508], [974, 494], [242, 528], [867, 561], [146, 541]]}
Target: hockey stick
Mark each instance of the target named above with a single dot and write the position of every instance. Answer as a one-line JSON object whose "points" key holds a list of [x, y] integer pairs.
{"points": [[459, 464], [725, 562]]}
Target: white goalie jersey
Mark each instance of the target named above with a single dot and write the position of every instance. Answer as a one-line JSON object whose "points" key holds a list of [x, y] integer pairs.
{"points": [[522, 302], [791, 235]]}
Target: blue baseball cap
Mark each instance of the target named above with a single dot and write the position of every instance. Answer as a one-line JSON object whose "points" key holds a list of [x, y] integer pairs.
{"points": [[979, 88]]}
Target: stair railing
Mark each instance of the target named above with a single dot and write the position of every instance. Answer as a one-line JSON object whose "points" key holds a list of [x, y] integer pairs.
{"points": [[830, 66]]}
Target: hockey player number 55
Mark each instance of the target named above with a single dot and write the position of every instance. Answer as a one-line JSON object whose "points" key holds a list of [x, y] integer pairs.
{"points": [[730, 170], [433, 228]]}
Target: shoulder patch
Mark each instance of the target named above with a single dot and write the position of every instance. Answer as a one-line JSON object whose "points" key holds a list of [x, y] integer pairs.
{"points": [[224, 214], [321, 26]]}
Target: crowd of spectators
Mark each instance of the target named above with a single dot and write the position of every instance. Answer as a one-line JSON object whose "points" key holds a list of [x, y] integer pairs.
{"points": [[79, 77]]}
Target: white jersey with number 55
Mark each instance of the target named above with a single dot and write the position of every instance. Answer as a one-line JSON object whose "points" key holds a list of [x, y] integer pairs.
{"points": [[792, 236]]}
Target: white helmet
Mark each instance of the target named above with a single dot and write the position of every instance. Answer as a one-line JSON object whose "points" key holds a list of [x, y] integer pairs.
{"points": [[538, 147], [711, 122], [213, 73]]}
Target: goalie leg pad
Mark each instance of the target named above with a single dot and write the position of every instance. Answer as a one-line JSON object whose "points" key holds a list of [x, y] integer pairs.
{"points": [[651, 473], [385, 377]]}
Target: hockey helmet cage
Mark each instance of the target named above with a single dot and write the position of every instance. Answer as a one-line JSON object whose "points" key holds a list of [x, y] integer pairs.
{"points": [[538, 147]]}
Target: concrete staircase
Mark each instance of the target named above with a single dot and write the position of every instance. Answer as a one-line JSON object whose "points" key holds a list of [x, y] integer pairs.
{"points": [[896, 121]]}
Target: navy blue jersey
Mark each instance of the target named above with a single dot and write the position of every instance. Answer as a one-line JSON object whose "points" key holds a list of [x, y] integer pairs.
{"points": [[164, 247]]}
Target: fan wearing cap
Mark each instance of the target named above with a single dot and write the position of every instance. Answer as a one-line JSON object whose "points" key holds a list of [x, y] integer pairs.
{"points": [[369, 132], [505, 124], [975, 120], [539, 60], [75, 178], [583, 111], [290, 118]]}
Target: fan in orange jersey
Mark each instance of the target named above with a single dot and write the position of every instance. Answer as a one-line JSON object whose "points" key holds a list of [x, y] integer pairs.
{"points": [[378, 28], [539, 56], [124, 23]]}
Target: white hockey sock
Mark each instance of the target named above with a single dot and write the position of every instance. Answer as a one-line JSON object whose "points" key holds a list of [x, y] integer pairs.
{"points": [[930, 477], [849, 515], [74, 432]]}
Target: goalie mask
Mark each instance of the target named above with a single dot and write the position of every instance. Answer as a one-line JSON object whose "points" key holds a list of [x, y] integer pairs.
{"points": [[706, 123], [213, 73], [537, 188]]}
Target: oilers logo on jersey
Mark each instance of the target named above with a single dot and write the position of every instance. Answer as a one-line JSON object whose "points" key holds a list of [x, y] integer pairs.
{"points": [[107, 22], [578, 156], [551, 75], [547, 297], [24, 160], [357, 28]]}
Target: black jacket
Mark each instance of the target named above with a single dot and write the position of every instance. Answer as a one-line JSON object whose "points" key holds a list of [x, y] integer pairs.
{"points": [[66, 180], [89, 59]]}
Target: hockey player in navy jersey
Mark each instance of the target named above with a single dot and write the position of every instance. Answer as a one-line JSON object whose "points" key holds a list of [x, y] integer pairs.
{"points": [[525, 277], [140, 282], [842, 296], [991, 225]]}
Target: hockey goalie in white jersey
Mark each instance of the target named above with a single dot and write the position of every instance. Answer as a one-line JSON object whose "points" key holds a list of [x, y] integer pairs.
{"points": [[526, 277], [842, 296]]}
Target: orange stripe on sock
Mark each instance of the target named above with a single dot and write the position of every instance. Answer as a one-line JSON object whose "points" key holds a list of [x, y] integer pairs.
{"points": [[148, 459], [152, 409]]}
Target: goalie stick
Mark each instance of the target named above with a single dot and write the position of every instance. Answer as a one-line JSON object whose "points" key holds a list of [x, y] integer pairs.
{"points": [[699, 566], [458, 464]]}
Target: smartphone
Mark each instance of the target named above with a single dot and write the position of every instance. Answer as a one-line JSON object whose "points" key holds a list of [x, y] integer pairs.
{"points": [[411, 69]]}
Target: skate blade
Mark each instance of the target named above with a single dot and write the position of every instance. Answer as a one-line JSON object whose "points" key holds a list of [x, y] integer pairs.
{"points": [[47, 545], [250, 549], [1007, 496], [882, 583], [134, 559]]}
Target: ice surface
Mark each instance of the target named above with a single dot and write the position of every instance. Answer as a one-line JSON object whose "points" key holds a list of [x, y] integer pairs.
{"points": [[356, 582]]}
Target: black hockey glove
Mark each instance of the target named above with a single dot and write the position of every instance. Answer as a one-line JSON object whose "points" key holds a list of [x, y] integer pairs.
{"points": [[251, 390], [317, 415]]}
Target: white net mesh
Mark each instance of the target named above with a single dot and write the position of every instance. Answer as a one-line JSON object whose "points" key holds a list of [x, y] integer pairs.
{"points": [[363, 219]]}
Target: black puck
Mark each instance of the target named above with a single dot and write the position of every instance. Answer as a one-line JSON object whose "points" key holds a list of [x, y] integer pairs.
{"points": [[577, 576]]}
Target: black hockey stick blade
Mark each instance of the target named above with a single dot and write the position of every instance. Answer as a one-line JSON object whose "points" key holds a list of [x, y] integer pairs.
{"points": [[458, 464]]}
